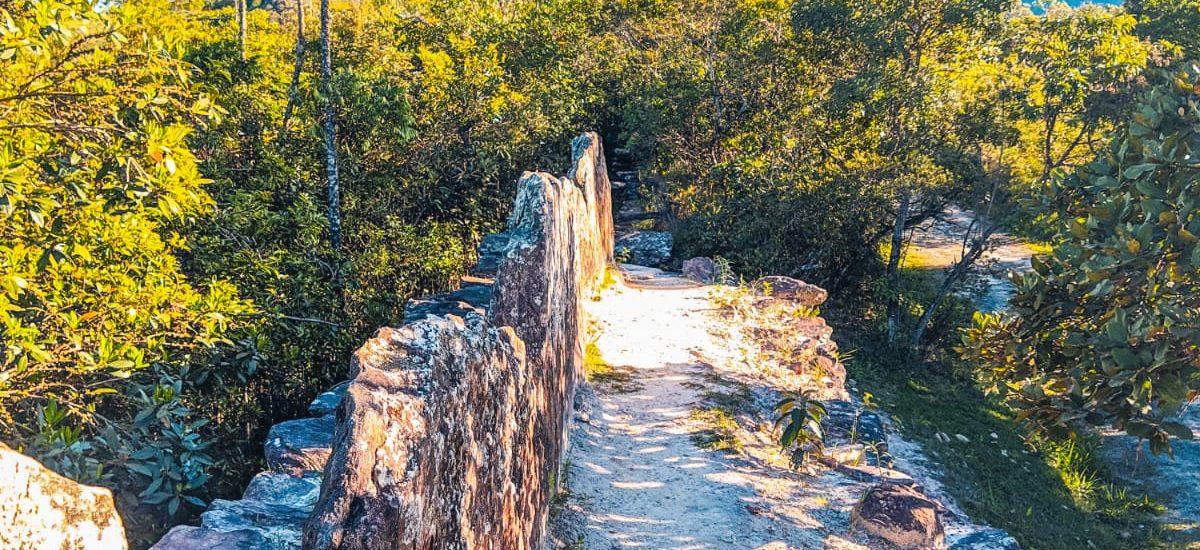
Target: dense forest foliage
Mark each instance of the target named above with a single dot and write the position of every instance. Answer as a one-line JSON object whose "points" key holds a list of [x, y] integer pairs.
{"points": [[207, 206]]}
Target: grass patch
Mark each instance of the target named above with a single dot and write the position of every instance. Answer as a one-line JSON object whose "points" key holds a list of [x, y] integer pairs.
{"points": [[717, 416], [601, 373], [1002, 481], [719, 432]]}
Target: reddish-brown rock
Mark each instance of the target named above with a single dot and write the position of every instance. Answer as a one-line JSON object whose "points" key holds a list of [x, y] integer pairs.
{"points": [[778, 286], [902, 515], [590, 175], [538, 291]]}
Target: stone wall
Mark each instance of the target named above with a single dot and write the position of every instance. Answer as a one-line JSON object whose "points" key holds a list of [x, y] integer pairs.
{"points": [[449, 433]]}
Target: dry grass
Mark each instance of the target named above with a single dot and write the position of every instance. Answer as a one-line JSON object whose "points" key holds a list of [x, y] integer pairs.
{"points": [[601, 373]]}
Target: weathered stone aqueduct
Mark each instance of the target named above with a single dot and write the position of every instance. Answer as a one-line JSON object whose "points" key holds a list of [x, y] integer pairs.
{"points": [[450, 431]]}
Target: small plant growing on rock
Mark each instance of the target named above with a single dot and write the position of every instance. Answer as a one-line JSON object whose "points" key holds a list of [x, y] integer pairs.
{"points": [[724, 274], [868, 404], [802, 435]]}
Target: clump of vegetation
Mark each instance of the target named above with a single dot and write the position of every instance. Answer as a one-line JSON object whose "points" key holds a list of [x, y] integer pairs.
{"points": [[1008, 481], [1104, 330], [611, 278], [1078, 464], [718, 414], [802, 435], [719, 432]]}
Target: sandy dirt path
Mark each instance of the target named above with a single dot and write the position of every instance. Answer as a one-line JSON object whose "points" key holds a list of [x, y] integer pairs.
{"points": [[634, 475]]}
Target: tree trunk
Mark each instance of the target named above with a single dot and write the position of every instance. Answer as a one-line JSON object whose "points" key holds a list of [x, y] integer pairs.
{"points": [[240, 6], [893, 267], [952, 278], [331, 171], [294, 88]]}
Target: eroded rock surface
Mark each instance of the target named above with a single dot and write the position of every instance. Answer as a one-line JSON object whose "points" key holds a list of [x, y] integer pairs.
{"points": [[425, 450], [41, 509], [901, 515], [328, 401], [787, 288], [188, 537], [783, 321], [590, 175], [701, 270]]}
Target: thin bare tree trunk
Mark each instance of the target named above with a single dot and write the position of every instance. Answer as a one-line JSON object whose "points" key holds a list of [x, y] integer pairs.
{"points": [[240, 6], [294, 87], [331, 171], [952, 278], [893, 266]]}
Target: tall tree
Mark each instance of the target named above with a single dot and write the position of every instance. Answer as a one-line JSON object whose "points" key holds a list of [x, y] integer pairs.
{"points": [[893, 89], [240, 6], [331, 165]]}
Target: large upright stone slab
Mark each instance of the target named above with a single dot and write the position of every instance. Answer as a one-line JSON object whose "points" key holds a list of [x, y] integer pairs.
{"points": [[590, 174], [538, 291], [41, 509], [427, 452]]}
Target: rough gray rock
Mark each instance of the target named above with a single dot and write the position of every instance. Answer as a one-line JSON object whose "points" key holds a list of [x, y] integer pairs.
{"points": [[458, 302], [848, 423], [491, 251], [299, 446], [277, 488], [901, 515], [279, 524], [187, 537], [328, 401], [648, 248], [700, 269], [987, 539], [428, 444], [41, 509]]}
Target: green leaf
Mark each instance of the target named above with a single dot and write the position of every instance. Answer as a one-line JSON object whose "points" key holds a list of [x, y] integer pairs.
{"points": [[1117, 330], [1127, 359], [1178, 430], [1136, 171]]}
